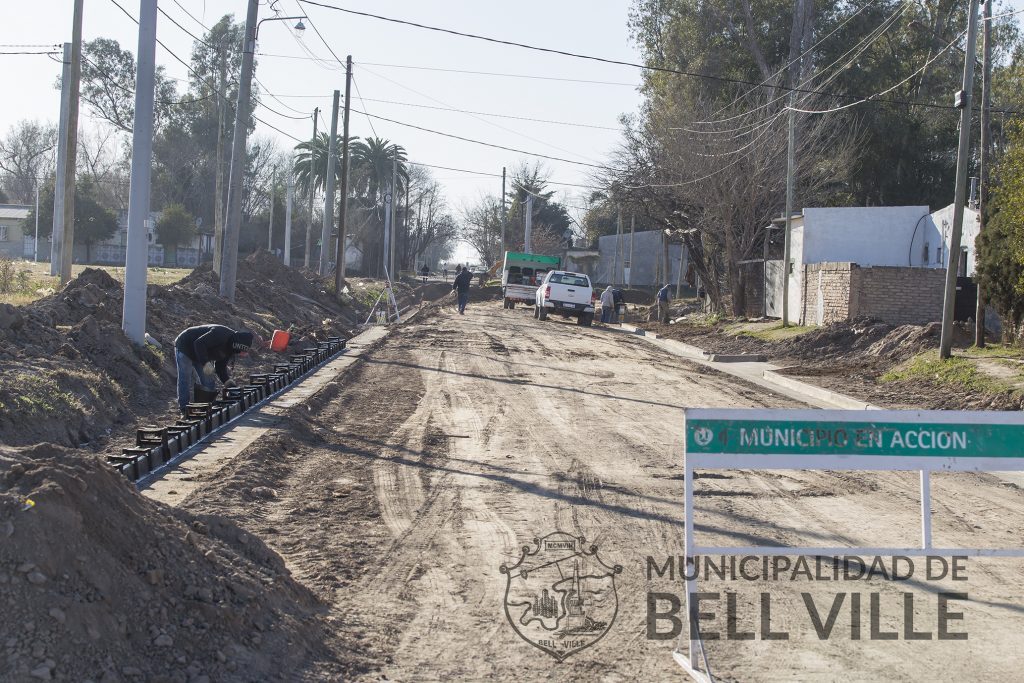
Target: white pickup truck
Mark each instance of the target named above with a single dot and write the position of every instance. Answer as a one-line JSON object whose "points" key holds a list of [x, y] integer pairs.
{"points": [[566, 294], [521, 273]]}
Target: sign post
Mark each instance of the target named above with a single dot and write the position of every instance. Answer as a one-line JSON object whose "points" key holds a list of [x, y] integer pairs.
{"points": [[885, 440]]}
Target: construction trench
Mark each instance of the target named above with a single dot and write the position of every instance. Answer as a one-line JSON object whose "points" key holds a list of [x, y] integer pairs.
{"points": [[354, 526]]}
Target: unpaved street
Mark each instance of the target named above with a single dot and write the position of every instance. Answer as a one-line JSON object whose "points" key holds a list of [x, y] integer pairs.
{"points": [[398, 491]]}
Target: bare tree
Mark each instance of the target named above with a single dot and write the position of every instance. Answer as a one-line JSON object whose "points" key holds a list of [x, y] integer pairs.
{"points": [[27, 156], [105, 163]]}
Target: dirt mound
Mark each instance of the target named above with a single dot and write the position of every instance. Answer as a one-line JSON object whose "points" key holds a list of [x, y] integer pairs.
{"points": [[71, 376], [99, 583]]}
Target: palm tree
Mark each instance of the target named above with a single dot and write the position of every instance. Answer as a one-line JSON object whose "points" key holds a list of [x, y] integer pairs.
{"points": [[310, 167], [371, 166]]}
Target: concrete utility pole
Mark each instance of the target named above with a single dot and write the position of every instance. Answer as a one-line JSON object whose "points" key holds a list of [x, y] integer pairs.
{"points": [[229, 266], [632, 229], [270, 225], [57, 235], [963, 101], [312, 166], [68, 246], [616, 279], [394, 213], [133, 314], [389, 198], [682, 267], [218, 176], [790, 181], [288, 219], [35, 248], [328, 224], [504, 215], [986, 143], [339, 272], [528, 231]]}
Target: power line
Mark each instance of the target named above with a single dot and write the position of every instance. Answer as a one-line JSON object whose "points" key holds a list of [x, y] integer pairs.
{"points": [[564, 53], [360, 96], [30, 52]]}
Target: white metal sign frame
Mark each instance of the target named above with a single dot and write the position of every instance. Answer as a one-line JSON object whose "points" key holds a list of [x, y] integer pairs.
{"points": [[886, 440]]}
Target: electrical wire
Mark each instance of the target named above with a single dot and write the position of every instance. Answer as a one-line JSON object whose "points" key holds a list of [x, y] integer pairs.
{"points": [[360, 96]]}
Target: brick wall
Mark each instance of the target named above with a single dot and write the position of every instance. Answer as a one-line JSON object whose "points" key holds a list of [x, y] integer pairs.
{"points": [[897, 295], [827, 293]]}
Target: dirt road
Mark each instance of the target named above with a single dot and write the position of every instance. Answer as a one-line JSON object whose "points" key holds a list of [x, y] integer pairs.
{"points": [[397, 493]]}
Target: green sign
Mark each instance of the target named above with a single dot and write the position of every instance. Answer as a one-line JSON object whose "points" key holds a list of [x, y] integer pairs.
{"points": [[517, 257], [805, 437]]}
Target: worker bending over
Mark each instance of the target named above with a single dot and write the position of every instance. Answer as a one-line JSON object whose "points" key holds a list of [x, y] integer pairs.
{"points": [[205, 350]]}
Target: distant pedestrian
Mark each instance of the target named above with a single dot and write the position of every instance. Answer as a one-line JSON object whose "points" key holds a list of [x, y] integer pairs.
{"points": [[425, 272], [607, 304], [664, 298], [463, 279], [445, 274]]}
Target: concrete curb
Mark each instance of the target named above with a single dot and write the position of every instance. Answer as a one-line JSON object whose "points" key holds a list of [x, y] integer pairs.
{"points": [[820, 393], [737, 357]]}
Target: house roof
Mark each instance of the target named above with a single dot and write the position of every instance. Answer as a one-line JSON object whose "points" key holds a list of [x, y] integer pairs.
{"points": [[14, 211]]}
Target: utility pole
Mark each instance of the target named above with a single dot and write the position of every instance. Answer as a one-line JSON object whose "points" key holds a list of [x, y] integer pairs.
{"points": [[233, 226], [986, 142], [35, 248], [790, 182], [528, 231], [618, 248], [133, 314], [504, 215], [218, 177], [328, 224], [57, 234], [339, 272], [288, 219], [312, 166], [405, 229], [71, 150], [270, 228], [394, 214], [963, 101], [632, 228]]}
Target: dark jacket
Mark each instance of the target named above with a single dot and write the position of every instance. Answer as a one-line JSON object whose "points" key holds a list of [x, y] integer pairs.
{"points": [[213, 343], [462, 281], [664, 294]]}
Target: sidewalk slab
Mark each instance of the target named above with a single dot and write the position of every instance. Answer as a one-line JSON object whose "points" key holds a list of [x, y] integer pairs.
{"points": [[179, 482]]}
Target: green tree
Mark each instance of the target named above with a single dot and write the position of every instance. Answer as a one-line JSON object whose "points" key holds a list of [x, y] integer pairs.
{"points": [[108, 85], [1000, 247], [93, 222], [175, 226], [372, 161], [310, 168]]}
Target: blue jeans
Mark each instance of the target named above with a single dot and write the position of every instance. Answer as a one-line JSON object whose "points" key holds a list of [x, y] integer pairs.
{"points": [[187, 371], [463, 300], [606, 314]]}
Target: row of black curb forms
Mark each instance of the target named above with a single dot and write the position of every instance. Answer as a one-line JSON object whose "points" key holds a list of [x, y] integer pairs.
{"points": [[159, 448]]}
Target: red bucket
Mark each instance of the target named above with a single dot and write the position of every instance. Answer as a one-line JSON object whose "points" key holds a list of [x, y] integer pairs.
{"points": [[279, 342]]}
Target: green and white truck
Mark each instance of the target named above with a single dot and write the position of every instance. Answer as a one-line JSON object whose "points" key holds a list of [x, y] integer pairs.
{"points": [[521, 274]]}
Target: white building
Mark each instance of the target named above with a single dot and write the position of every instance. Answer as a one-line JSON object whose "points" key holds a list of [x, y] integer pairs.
{"points": [[869, 237]]}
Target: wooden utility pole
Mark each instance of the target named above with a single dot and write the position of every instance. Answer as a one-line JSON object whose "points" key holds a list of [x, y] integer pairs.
{"points": [[312, 192], [963, 101], [233, 219], [71, 147], [339, 272], [986, 160]]}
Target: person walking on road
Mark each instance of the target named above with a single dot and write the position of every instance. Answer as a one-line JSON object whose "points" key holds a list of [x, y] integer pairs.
{"points": [[205, 350], [445, 271], [664, 297], [607, 305], [463, 279], [424, 272]]}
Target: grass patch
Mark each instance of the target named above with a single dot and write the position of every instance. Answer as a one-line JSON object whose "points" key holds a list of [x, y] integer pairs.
{"points": [[34, 280], [775, 332], [995, 351], [956, 372]]}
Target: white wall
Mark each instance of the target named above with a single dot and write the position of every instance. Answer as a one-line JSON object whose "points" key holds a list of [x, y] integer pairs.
{"points": [[870, 236], [942, 222]]}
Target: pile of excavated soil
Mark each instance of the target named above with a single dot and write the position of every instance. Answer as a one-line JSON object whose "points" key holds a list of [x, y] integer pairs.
{"points": [[98, 583], [71, 377]]}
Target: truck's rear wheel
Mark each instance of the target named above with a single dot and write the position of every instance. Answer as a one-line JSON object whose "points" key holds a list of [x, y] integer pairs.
{"points": [[511, 304], [586, 319], [542, 313]]}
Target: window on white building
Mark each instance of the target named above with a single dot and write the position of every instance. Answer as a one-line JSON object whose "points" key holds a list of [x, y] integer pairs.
{"points": [[3, 233]]}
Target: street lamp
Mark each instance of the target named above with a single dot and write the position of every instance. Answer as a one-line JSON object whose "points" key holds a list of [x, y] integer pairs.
{"points": [[298, 27]]}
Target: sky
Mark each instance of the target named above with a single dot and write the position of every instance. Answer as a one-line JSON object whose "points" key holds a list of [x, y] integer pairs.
{"points": [[383, 52], [386, 86]]}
